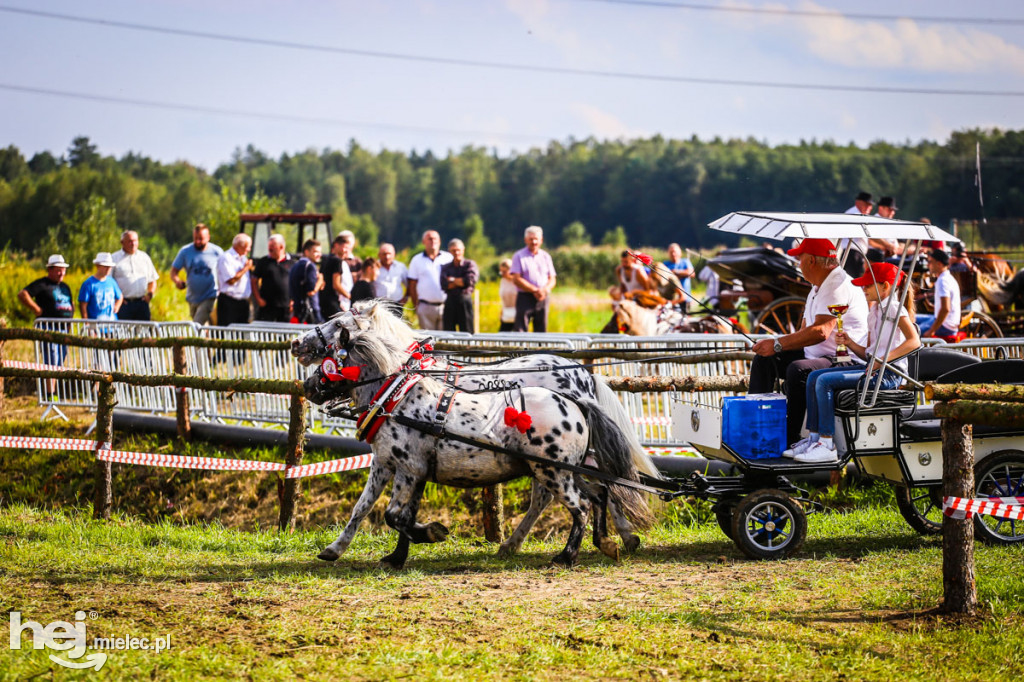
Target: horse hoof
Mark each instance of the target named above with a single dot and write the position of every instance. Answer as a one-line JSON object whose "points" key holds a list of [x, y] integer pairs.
{"points": [[388, 565], [506, 551], [328, 555], [610, 548], [564, 561], [630, 543], [437, 532]]}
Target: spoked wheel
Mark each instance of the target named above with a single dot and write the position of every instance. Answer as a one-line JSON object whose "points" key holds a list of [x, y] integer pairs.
{"points": [[980, 326], [1000, 475], [921, 507], [769, 524], [782, 316], [724, 510]]}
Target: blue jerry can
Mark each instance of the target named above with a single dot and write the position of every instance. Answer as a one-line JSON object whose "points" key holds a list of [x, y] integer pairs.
{"points": [[754, 426]]}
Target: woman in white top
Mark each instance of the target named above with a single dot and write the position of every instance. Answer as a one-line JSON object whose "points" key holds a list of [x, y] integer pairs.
{"points": [[823, 384], [507, 292]]}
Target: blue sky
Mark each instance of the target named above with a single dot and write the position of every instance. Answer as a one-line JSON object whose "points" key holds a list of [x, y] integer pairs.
{"points": [[410, 104]]}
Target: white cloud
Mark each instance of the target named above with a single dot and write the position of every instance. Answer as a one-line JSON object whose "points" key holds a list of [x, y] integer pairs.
{"points": [[898, 44], [604, 125]]}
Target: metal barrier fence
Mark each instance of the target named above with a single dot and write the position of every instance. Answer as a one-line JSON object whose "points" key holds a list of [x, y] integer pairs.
{"points": [[650, 412]]}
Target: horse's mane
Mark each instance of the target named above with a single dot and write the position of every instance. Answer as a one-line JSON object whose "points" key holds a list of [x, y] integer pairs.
{"points": [[375, 314], [385, 353]]}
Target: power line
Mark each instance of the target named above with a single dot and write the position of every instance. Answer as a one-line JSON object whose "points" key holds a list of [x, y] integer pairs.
{"points": [[506, 66], [813, 14], [244, 113]]}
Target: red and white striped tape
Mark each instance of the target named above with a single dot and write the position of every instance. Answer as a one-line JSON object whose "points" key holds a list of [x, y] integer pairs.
{"points": [[334, 465], [33, 443], [656, 421], [184, 461], [18, 364], [1010, 508]]}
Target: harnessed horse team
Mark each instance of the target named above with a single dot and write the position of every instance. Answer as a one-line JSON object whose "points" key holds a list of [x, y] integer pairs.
{"points": [[427, 419]]}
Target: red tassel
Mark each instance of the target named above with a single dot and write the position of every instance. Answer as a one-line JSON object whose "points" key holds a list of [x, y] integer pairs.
{"points": [[351, 373], [523, 422], [417, 356], [643, 258], [511, 414]]}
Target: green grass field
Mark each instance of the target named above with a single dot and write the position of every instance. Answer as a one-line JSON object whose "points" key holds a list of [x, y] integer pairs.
{"points": [[194, 555]]}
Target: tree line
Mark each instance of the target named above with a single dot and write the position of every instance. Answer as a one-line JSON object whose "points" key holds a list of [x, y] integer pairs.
{"points": [[653, 191]]}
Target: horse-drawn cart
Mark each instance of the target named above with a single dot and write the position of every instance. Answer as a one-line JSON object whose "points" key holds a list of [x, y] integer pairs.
{"points": [[887, 434]]}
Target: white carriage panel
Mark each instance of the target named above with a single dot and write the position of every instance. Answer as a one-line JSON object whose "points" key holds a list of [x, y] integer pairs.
{"points": [[699, 426], [884, 467], [876, 433], [923, 461], [983, 447]]}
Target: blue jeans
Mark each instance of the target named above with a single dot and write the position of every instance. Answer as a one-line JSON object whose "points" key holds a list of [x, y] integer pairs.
{"points": [[822, 385], [925, 322]]}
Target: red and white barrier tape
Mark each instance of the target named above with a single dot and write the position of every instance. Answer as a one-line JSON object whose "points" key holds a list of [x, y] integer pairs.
{"points": [[32, 443], [18, 364], [184, 461], [346, 464], [655, 421], [1010, 508]]}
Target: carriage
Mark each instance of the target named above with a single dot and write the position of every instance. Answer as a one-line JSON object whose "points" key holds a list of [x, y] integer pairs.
{"points": [[888, 435], [773, 289]]}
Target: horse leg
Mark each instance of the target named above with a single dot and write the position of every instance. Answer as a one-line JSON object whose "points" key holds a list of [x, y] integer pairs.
{"points": [[565, 491], [630, 541], [540, 498], [378, 478], [598, 496], [401, 515]]}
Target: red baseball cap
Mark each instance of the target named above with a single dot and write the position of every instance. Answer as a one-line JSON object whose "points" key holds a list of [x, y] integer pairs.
{"points": [[882, 273], [815, 247]]}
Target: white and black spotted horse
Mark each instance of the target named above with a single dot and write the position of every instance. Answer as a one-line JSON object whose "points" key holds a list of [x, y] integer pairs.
{"points": [[555, 373], [406, 449]]}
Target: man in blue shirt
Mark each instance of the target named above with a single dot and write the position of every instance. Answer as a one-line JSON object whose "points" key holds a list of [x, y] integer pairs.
{"points": [[304, 285], [199, 261], [682, 268], [100, 298]]}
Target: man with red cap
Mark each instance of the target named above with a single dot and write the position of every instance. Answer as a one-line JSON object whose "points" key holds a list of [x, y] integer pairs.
{"points": [[813, 345]]}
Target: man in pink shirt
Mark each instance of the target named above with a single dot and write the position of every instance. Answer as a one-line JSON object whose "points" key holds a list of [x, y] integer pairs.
{"points": [[534, 274]]}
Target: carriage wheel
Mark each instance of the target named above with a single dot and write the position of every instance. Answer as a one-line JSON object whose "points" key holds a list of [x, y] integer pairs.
{"points": [[921, 507], [781, 316], [981, 326], [769, 524], [724, 510], [1000, 475]]}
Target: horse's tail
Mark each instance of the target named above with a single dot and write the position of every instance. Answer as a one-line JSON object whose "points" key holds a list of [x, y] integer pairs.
{"points": [[613, 408], [611, 450]]}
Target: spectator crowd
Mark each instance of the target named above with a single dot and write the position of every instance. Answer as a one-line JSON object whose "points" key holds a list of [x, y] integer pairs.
{"points": [[228, 286]]}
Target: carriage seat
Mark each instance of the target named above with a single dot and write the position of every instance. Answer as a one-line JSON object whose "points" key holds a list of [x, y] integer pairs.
{"points": [[846, 400], [924, 426]]}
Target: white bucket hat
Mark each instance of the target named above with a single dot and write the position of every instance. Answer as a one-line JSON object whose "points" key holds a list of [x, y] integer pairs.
{"points": [[104, 258], [56, 261]]}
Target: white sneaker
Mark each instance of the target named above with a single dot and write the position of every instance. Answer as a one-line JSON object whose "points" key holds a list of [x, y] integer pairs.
{"points": [[818, 453], [799, 447]]}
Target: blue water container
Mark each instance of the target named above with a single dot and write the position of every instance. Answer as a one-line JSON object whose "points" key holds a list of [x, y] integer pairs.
{"points": [[754, 426]]}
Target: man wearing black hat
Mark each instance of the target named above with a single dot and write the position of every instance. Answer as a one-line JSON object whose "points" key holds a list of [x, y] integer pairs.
{"points": [[880, 249], [854, 264], [946, 320]]}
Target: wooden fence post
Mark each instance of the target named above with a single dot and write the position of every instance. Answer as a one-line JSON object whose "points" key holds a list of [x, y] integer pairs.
{"points": [[102, 496], [181, 395], [958, 587], [293, 457], [3, 325], [493, 512]]}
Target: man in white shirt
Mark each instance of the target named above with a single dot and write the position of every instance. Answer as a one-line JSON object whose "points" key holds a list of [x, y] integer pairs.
{"points": [[135, 274], [813, 345], [855, 262], [425, 290], [946, 320], [233, 282], [392, 282]]}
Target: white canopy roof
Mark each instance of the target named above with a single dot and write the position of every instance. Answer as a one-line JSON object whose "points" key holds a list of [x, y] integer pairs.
{"points": [[826, 226]]}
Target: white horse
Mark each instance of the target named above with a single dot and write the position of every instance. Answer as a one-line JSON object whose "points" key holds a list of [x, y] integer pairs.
{"points": [[408, 448], [555, 373], [636, 320]]}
